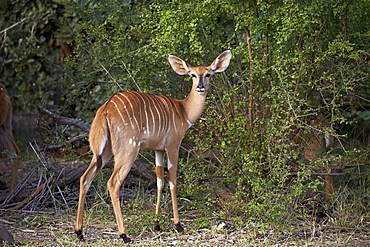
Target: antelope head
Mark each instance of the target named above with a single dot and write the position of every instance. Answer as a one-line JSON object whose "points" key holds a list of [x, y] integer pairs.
{"points": [[200, 74]]}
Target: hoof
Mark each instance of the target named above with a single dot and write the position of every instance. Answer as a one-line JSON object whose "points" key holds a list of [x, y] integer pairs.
{"points": [[157, 227], [179, 228], [80, 236], [125, 238]]}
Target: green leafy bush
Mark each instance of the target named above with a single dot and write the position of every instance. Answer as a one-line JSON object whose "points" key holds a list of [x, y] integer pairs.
{"points": [[292, 61]]}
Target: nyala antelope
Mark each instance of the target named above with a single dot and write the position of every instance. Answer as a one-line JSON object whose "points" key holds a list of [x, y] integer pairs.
{"points": [[6, 136], [130, 121]]}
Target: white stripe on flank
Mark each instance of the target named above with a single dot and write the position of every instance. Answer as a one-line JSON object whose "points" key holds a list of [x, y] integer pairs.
{"points": [[143, 100], [118, 110], [159, 120], [132, 110], [172, 106], [179, 113], [173, 120], [168, 108], [151, 117], [162, 119], [135, 115], [153, 104]]}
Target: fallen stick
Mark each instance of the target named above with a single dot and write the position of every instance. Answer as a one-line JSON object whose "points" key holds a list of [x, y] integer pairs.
{"points": [[331, 173], [344, 228], [28, 199]]}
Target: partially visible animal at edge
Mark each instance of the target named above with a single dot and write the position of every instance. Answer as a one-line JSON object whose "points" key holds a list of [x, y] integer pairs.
{"points": [[6, 136]]}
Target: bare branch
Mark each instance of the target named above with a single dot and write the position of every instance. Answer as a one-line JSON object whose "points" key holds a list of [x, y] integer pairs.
{"points": [[70, 140], [65, 120], [19, 22]]}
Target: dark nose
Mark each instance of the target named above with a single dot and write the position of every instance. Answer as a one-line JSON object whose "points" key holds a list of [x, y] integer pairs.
{"points": [[201, 88]]}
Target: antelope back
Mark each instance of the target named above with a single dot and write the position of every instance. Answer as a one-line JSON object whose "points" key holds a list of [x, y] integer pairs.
{"points": [[145, 121]]}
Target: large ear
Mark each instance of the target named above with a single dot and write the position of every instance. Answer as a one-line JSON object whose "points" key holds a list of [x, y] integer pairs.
{"points": [[221, 62], [179, 66]]}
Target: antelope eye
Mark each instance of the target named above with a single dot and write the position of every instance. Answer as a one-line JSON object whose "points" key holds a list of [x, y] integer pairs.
{"points": [[192, 75], [208, 75]]}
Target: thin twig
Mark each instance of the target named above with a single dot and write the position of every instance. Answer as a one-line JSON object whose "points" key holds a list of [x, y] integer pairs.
{"points": [[70, 140], [60, 191], [66, 121], [19, 22], [37, 191], [331, 173], [149, 239], [133, 79], [26, 211], [344, 228], [41, 159], [105, 69], [88, 82], [19, 188]]}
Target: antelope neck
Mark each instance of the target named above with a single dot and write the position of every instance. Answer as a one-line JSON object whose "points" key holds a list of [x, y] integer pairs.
{"points": [[194, 104]]}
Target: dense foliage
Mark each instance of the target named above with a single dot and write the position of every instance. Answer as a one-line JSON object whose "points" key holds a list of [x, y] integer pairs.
{"points": [[292, 61]]}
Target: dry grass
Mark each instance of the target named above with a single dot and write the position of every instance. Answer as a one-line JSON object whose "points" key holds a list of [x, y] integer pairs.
{"points": [[52, 224], [51, 229]]}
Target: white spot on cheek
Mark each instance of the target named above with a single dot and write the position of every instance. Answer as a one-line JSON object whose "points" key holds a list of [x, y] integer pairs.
{"points": [[130, 141]]}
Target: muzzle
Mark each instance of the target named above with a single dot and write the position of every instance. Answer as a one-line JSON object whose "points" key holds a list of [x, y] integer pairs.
{"points": [[201, 89]]}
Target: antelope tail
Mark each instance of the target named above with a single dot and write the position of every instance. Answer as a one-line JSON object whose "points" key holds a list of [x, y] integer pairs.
{"points": [[99, 135]]}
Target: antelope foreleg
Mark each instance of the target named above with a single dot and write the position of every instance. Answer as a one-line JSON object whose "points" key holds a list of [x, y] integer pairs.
{"points": [[172, 174], [160, 185]]}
